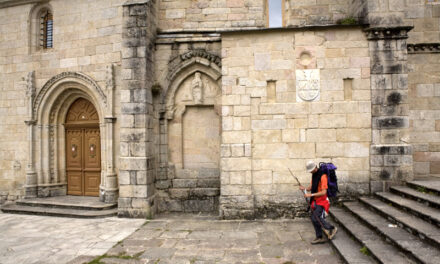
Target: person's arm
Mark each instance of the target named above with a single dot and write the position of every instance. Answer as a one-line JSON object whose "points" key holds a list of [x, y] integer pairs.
{"points": [[318, 194]]}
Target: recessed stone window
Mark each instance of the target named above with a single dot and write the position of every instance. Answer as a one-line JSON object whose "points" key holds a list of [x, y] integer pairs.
{"points": [[46, 30], [274, 13], [41, 28]]}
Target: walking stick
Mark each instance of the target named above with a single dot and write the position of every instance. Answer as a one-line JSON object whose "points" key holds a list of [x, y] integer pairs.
{"points": [[303, 191]]}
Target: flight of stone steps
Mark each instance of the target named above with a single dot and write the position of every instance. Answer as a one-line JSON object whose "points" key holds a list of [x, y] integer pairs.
{"points": [[399, 226], [63, 206]]}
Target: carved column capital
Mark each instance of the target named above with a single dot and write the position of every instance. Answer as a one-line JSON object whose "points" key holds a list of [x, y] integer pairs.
{"points": [[30, 122]]}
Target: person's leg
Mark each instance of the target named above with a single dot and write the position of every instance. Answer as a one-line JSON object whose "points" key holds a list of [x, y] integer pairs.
{"points": [[316, 220], [326, 225], [328, 228]]}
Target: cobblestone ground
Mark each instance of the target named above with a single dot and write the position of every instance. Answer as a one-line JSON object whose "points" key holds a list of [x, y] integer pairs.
{"points": [[42, 239], [193, 240]]}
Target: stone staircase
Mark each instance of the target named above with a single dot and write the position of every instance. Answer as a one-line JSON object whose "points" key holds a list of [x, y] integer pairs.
{"points": [[400, 226], [63, 206]]}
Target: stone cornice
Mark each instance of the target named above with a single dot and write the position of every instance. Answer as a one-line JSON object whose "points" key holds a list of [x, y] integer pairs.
{"points": [[136, 2], [424, 48], [377, 33], [9, 3]]}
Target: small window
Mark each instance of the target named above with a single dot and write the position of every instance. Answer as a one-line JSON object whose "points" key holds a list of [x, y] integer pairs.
{"points": [[46, 30], [274, 13]]}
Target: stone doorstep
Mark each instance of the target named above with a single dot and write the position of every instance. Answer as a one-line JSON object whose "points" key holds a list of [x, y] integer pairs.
{"points": [[432, 186], [349, 249], [379, 249], [60, 212], [65, 205], [400, 238], [423, 229], [430, 199], [429, 214]]}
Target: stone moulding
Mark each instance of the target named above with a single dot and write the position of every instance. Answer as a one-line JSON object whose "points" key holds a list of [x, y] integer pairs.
{"points": [[11, 3], [64, 75], [424, 48], [377, 33], [202, 54]]}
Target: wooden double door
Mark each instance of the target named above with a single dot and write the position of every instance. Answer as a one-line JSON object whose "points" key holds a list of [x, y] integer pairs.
{"points": [[83, 150]]}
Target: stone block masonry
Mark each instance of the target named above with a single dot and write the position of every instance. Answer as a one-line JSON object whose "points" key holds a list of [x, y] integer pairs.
{"points": [[391, 153], [286, 121], [424, 112], [137, 162]]}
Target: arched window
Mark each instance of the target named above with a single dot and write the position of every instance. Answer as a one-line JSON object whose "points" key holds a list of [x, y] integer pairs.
{"points": [[46, 29], [41, 28]]}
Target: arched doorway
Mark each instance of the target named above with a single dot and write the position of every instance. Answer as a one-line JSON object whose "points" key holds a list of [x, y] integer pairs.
{"points": [[83, 150]]}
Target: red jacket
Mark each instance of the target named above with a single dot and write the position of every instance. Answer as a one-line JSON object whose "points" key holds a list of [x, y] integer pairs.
{"points": [[322, 200]]}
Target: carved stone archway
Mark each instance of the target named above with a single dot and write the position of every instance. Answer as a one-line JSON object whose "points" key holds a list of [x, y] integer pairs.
{"points": [[192, 106], [45, 174]]}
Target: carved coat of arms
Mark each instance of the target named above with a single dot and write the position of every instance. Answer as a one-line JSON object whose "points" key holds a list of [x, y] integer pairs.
{"points": [[307, 85]]}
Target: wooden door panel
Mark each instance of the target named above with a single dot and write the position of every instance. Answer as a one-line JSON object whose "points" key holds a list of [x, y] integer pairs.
{"points": [[74, 149], [83, 149], [74, 182], [92, 149], [91, 184]]}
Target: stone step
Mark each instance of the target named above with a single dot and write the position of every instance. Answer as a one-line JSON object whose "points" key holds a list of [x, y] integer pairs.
{"points": [[349, 249], [60, 212], [426, 198], [428, 213], [426, 185], [417, 226], [77, 203], [379, 249], [410, 244]]}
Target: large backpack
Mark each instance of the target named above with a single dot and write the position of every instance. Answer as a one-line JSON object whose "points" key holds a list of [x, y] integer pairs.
{"points": [[330, 170]]}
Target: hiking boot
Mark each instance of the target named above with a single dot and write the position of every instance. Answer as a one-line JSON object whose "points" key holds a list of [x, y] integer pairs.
{"points": [[332, 233], [318, 240]]}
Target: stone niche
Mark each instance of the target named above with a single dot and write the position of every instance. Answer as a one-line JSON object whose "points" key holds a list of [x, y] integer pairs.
{"points": [[194, 127]]}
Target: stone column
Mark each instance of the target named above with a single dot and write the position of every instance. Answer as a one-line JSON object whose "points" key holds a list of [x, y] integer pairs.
{"points": [[31, 174], [109, 187], [136, 172], [391, 151]]}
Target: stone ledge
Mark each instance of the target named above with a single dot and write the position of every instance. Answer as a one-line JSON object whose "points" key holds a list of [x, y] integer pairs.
{"points": [[423, 48], [10, 3], [377, 33]]}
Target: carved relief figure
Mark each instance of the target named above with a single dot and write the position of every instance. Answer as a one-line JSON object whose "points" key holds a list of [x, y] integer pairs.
{"points": [[30, 88], [197, 89]]}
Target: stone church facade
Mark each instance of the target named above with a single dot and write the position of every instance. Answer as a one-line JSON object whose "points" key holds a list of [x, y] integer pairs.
{"points": [[200, 106]]}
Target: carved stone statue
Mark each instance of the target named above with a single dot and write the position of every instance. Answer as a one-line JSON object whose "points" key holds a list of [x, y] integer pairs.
{"points": [[197, 89]]}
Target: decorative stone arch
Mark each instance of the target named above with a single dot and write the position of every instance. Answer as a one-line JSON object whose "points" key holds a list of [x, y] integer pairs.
{"points": [[189, 66], [47, 114], [191, 102]]}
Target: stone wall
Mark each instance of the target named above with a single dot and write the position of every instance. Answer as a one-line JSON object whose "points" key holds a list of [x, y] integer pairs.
{"points": [[273, 120], [87, 39], [137, 148], [316, 12], [424, 104], [177, 15], [424, 15]]}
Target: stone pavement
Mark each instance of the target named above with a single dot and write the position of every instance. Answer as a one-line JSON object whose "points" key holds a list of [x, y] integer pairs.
{"points": [[190, 240], [42, 239]]}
